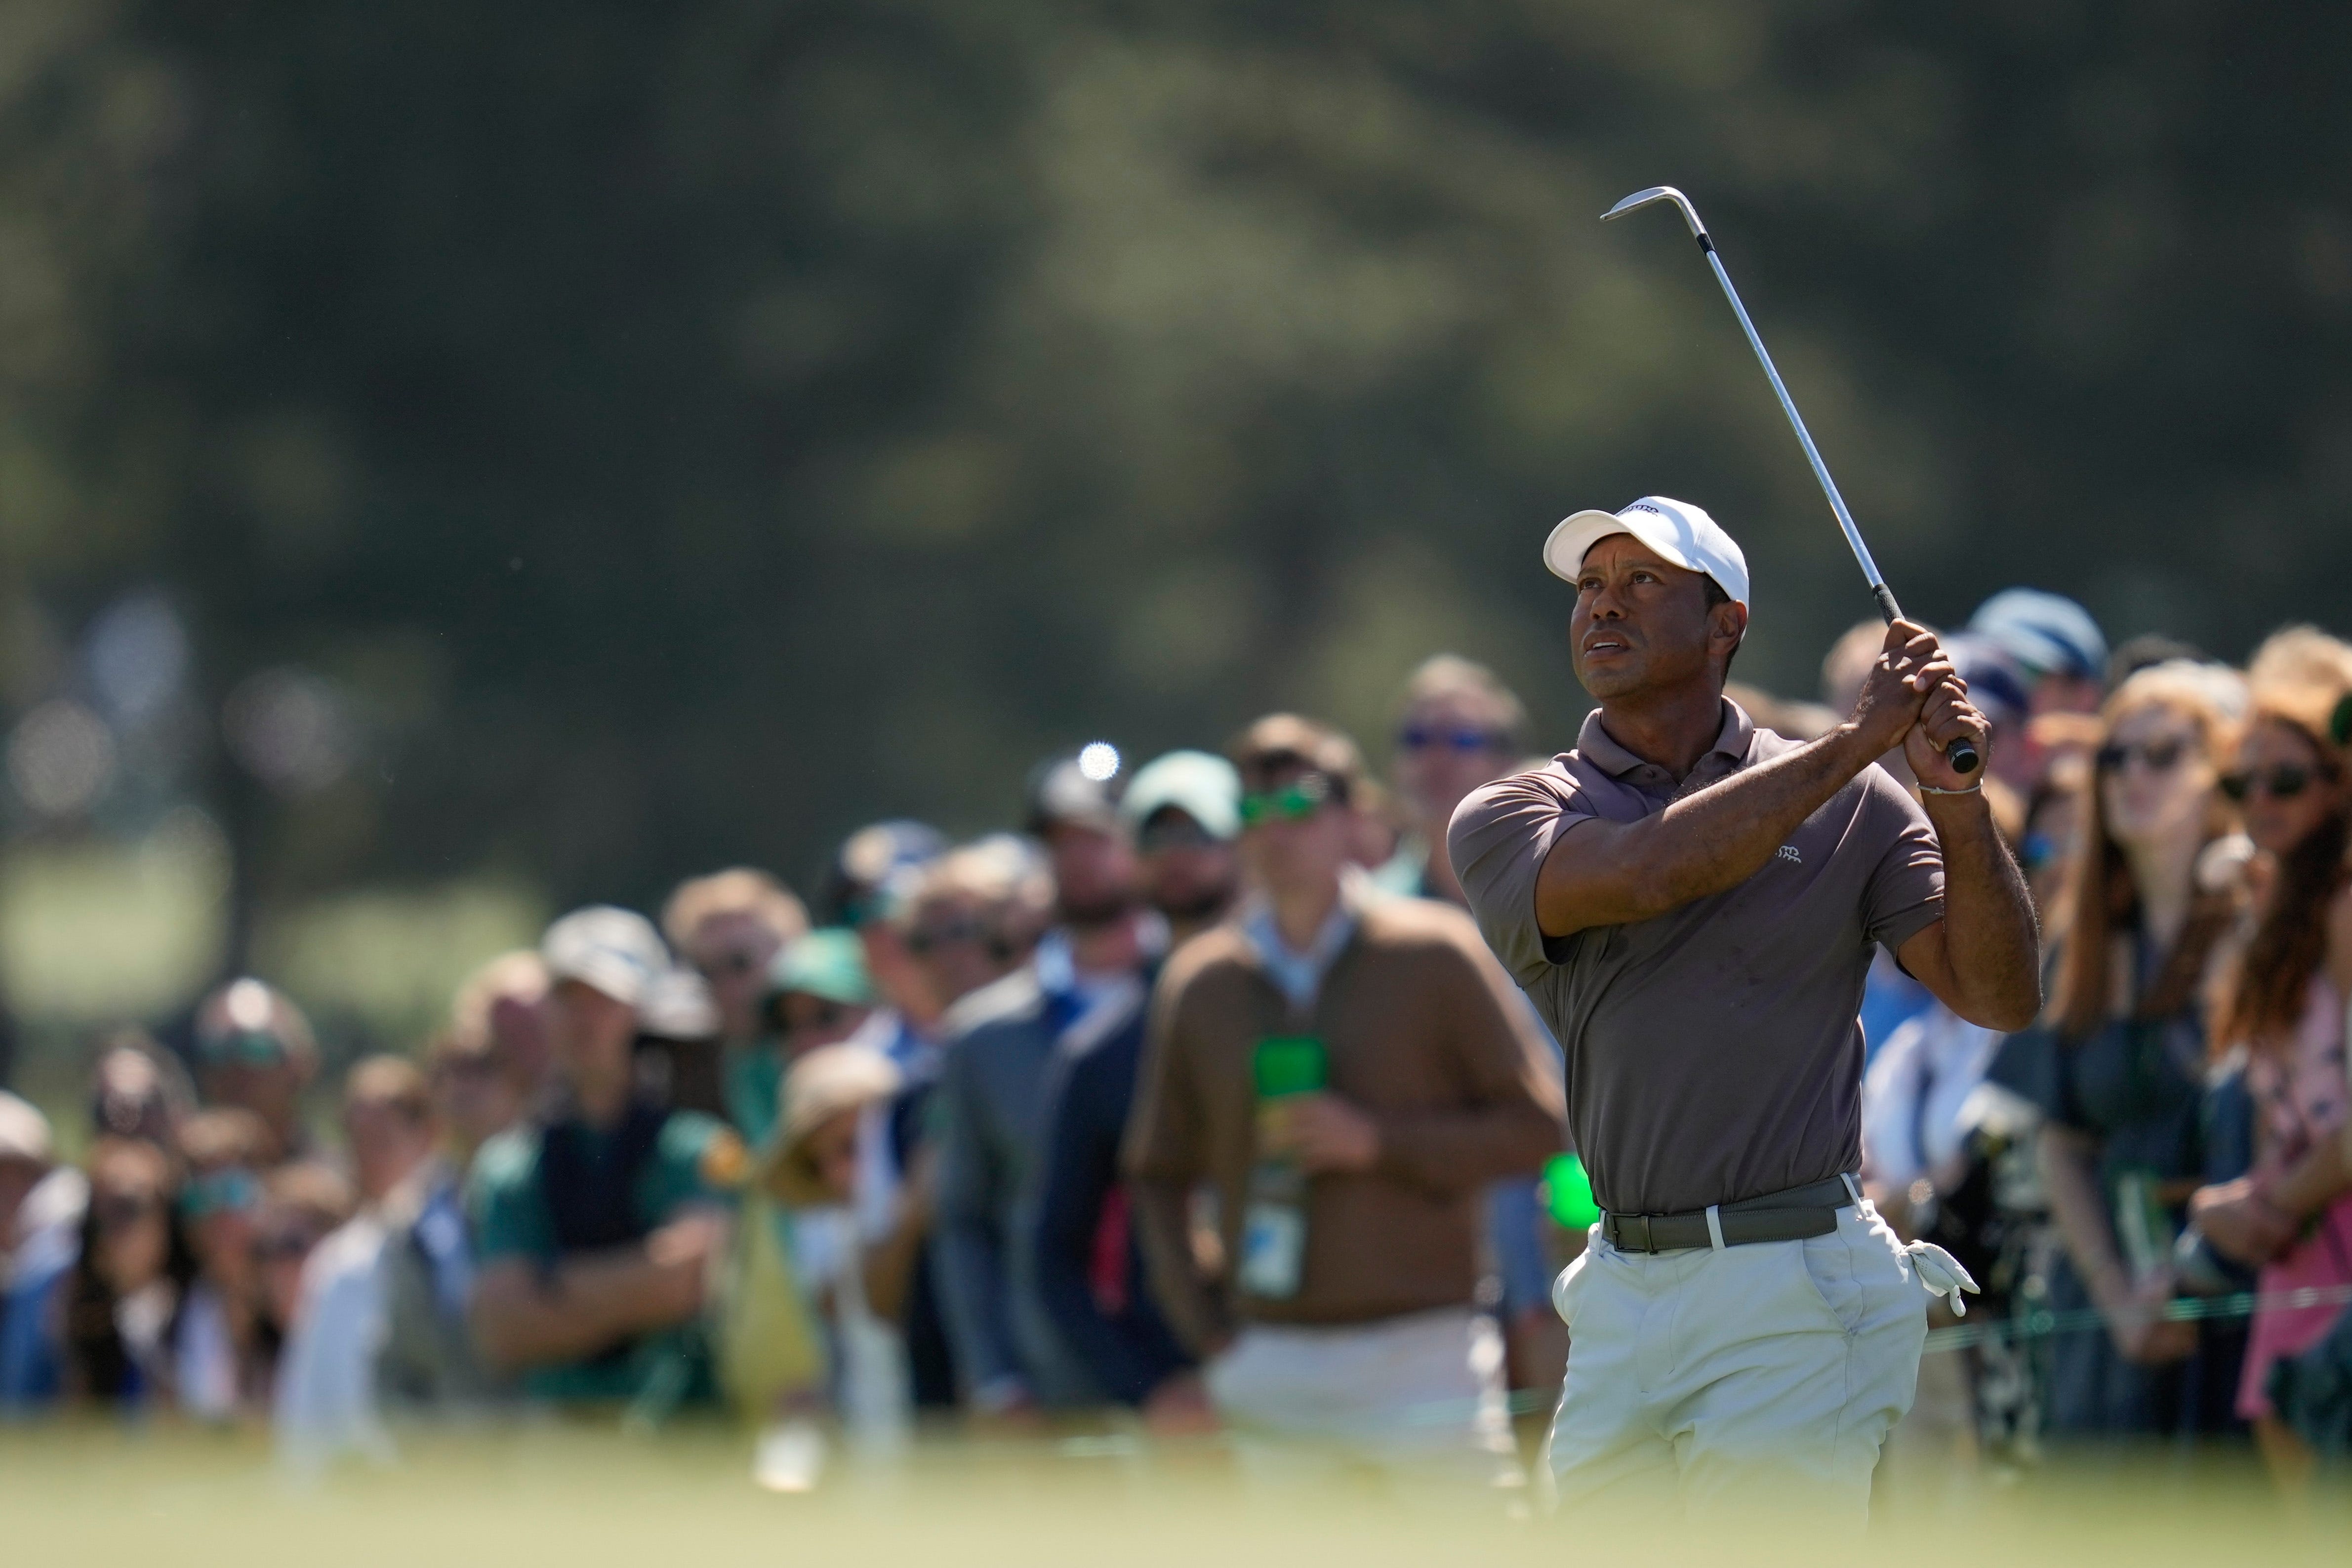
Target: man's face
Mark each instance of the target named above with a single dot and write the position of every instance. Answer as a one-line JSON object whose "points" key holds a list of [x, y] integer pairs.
{"points": [[1640, 624], [130, 1215], [732, 951], [949, 936], [283, 1240], [1303, 854], [591, 1031], [271, 1087], [476, 1096], [1445, 749], [386, 1142], [1188, 873], [1095, 873]]}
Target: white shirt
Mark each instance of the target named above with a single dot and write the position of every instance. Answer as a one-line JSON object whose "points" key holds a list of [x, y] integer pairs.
{"points": [[325, 1376]]}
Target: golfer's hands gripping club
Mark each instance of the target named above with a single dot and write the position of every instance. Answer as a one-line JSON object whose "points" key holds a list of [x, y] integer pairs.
{"points": [[1915, 699]]}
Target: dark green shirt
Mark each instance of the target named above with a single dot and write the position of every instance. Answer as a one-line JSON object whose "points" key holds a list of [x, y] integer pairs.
{"points": [[697, 1159]]}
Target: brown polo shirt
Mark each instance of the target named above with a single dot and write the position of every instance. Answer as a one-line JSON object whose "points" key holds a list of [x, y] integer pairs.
{"points": [[1715, 1052], [1421, 1031]]}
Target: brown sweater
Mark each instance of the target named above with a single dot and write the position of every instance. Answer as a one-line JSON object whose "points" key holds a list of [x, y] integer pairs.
{"points": [[1422, 1031]]}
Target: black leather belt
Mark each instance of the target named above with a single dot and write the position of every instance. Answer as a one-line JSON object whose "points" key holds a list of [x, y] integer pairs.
{"points": [[1791, 1215]]}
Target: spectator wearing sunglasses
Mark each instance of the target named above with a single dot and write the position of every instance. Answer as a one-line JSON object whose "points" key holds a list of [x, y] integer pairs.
{"points": [[2291, 1216], [255, 1051], [727, 927], [325, 1402], [2118, 1064], [1460, 727], [303, 1202], [118, 1316], [222, 1350], [972, 916], [427, 1363], [1184, 809], [504, 1004], [1088, 976], [1400, 1077], [961, 922], [863, 887]]}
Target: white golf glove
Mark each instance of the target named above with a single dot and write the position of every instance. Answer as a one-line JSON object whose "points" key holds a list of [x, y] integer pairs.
{"points": [[1940, 1274]]}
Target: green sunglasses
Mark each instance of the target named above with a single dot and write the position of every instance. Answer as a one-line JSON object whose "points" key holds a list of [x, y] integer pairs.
{"points": [[1293, 802]]}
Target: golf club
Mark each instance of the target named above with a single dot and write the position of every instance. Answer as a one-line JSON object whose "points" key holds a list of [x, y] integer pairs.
{"points": [[1961, 754]]}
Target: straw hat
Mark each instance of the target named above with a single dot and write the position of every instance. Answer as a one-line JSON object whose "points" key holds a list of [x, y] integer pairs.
{"points": [[829, 1081]]}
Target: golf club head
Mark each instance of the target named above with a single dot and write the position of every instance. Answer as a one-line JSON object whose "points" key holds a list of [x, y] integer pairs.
{"points": [[1640, 199]]}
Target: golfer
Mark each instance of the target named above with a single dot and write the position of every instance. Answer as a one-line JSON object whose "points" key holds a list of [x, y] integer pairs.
{"points": [[1691, 902]]}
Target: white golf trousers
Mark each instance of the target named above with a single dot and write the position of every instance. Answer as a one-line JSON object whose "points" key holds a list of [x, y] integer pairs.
{"points": [[1420, 1397], [1740, 1377]]}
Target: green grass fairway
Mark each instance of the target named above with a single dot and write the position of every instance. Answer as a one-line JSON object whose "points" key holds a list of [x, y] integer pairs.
{"points": [[93, 1496]]}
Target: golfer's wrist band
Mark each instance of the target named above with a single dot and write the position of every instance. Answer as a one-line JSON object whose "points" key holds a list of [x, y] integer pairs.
{"points": [[1977, 787]]}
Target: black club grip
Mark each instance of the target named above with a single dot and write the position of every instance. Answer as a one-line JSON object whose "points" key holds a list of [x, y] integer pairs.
{"points": [[1962, 753]]}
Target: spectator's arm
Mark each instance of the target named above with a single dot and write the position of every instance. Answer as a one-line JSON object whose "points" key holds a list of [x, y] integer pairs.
{"points": [[1511, 1115], [2315, 1181], [1161, 1157], [967, 1249], [1083, 1125], [2067, 1159], [524, 1316]]}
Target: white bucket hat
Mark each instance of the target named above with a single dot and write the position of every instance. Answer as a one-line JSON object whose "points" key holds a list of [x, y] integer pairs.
{"points": [[1681, 533]]}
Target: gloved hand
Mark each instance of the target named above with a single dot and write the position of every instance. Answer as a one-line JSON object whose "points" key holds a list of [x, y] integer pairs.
{"points": [[1940, 1274]]}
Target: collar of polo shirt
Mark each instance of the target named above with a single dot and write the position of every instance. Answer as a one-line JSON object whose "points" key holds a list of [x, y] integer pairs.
{"points": [[1732, 742]]}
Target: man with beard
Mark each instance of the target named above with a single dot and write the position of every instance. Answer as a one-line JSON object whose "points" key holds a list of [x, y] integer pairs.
{"points": [[1088, 977], [1184, 809]]}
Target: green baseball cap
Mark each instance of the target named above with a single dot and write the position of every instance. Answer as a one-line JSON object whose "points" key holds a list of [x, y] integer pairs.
{"points": [[828, 963]]}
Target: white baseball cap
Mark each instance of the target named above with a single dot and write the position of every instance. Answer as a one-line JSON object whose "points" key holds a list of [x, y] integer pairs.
{"points": [[23, 1131], [616, 951], [1203, 786], [1680, 532]]}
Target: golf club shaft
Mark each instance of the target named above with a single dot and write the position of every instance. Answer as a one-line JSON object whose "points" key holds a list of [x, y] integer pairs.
{"points": [[1886, 595], [1961, 753]]}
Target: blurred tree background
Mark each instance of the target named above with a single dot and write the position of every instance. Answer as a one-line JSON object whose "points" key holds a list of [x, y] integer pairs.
{"points": [[458, 460]]}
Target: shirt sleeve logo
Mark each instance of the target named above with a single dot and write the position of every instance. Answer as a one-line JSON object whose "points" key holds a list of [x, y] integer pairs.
{"points": [[1789, 852]]}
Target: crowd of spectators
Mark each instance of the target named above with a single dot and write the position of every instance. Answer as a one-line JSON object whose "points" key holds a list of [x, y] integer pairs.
{"points": [[1199, 1098]]}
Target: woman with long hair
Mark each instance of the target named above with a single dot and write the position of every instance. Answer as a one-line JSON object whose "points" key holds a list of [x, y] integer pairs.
{"points": [[2121, 1056], [2291, 1215], [122, 1301]]}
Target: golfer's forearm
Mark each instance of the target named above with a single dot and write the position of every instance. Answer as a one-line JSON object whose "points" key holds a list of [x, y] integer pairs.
{"points": [[1609, 873], [1989, 936]]}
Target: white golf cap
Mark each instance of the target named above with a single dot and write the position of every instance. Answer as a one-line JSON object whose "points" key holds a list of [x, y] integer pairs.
{"points": [[1681, 533], [23, 1131], [616, 951]]}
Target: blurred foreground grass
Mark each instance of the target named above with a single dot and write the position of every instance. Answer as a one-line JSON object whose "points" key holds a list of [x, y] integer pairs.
{"points": [[100, 1495]]}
